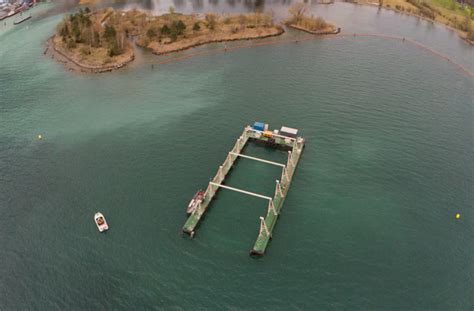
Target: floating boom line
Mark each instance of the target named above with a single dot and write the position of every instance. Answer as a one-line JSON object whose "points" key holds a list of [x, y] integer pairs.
{"points": [[316, 37]]}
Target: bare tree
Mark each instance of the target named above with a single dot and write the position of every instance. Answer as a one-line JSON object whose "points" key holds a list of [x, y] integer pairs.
{"points": [[297, 11]]}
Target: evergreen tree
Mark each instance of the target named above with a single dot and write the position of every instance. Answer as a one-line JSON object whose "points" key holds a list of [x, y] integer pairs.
{"points": [[180, 26], [110, 33], [165, 30]]}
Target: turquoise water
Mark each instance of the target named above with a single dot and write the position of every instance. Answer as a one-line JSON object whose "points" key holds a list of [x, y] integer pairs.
{"points": [[368, 222]]}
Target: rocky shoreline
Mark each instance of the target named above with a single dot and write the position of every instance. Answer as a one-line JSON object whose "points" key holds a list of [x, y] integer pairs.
{"points": [[279, 32], [75, 65], [72, 64], [319, 33], [105, 39]]}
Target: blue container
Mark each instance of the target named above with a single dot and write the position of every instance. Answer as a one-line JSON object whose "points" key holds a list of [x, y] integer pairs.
{"points": [[259, 126]]}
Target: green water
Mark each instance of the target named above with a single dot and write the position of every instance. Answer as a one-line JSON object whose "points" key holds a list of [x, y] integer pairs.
{"points": [[369, 219]]}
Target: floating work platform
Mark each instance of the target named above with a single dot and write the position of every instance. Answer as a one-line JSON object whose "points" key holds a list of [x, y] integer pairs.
{"points": [[286, 139]]}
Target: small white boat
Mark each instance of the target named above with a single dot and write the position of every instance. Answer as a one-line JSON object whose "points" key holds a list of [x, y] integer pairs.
{"points": [[100, 222], [197, 198]]}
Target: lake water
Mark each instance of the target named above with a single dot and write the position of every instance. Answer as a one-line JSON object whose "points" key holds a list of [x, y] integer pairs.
{"points": [[368, 222]]}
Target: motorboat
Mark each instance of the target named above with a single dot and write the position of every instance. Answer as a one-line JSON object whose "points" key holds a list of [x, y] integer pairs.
{"points": [[100, 222], [197, 198]]}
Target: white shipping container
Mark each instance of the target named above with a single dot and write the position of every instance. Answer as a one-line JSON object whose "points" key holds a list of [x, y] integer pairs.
{"points": [[288, 131]]}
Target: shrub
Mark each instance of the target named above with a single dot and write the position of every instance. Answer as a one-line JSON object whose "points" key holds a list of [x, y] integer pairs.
{"points": [[196, 26], [85, 51], [242, 19], [465, 25], [426, 12], [173, 36], [470, 35]]}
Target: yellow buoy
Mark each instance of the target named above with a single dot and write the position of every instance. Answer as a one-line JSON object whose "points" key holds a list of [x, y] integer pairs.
{"points": [[458, 215], [40, 137]]}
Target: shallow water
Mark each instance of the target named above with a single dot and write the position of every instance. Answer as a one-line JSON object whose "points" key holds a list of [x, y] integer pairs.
{"points": [[368, 222]]}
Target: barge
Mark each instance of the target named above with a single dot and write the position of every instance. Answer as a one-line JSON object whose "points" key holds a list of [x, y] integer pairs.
{"points": [[286, 139]]}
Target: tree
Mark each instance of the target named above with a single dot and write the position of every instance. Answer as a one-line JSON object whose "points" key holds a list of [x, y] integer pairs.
{"points": [[211, 21], [165, 30], [196, 26], [298, 10], [176, 29], [152, 32], [87, 10], [114, 49], [76, 31], [110, 33], [180, 26], [64, 30], [172, 10], [87, 20]]}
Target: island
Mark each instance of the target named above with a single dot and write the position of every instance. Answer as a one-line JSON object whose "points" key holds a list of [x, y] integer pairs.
{"points": [[103, 40]]}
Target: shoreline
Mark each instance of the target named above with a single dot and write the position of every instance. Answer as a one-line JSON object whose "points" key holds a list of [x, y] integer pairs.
{"points": [[95, 48], [317, 33], [71, 64], [196, 44], [74, 65], [459, 32]]}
